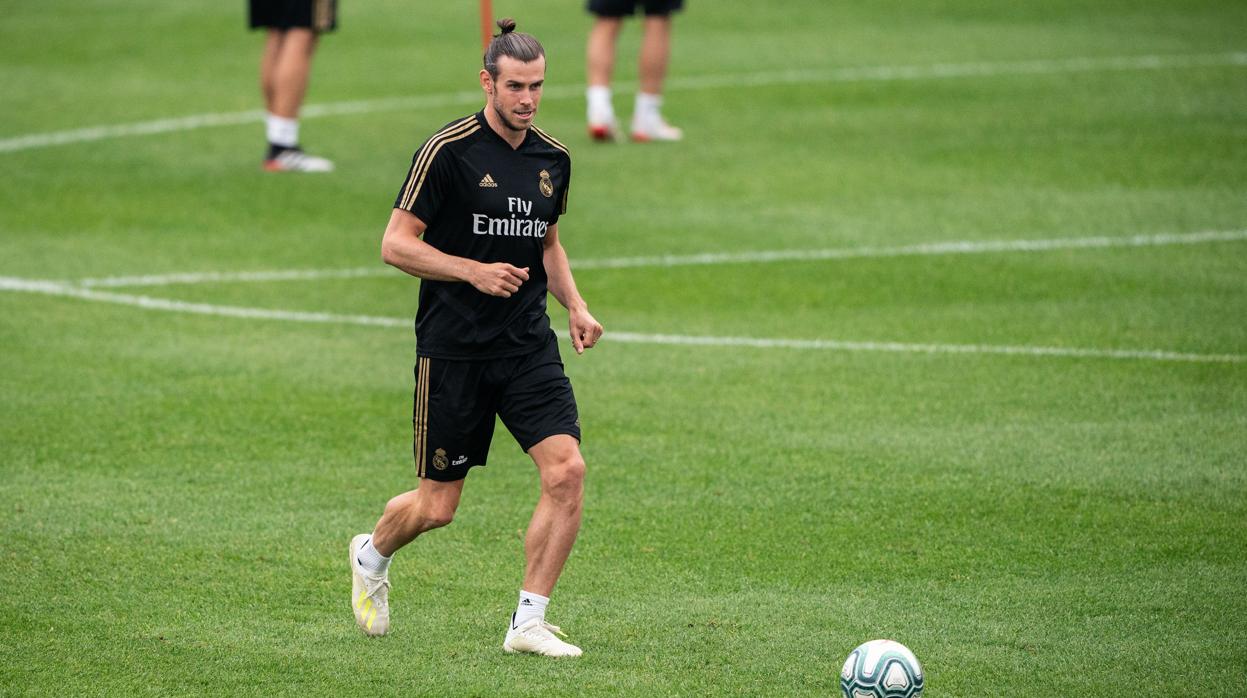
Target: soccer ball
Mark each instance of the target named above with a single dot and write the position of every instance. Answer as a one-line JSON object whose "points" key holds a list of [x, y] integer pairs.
{"points": [[881, 669]]}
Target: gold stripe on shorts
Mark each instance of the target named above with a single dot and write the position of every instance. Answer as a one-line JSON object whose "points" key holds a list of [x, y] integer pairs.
{"points": [[421, 423], [322, 15]]}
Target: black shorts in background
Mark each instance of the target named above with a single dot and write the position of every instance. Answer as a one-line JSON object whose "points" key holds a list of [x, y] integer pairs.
{"points": [[625, 8], [318, 15], [456, 403]]}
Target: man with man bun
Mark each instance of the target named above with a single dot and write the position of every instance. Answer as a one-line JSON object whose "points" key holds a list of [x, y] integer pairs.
{"points": [[476, 220]]}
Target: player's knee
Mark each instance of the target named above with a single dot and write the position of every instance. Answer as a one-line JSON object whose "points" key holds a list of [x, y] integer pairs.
{"points": [[565, 480], [401, 505], [422, 513], [436, 514], [438, 518]]}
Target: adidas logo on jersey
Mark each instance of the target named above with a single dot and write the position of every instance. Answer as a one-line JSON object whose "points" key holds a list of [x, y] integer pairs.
{"points": [[488, 181]]}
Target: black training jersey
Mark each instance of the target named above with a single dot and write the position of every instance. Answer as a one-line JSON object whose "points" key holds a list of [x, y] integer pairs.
{"points": [[486, 201]]}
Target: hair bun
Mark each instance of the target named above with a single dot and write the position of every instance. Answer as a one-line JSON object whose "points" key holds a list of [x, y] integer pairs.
{"points": [[507, 25]]}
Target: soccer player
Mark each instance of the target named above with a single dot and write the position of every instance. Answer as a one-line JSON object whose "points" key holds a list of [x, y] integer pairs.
{"points": [[477, 220], [294, 27], [647, 121]]}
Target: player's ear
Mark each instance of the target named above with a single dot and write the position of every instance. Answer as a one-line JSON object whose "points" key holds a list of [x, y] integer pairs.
{"points": [[487, 83]]}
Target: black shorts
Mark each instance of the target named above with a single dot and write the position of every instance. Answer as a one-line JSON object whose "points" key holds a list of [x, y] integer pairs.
{"points": [[319, 15], [625, 8], [456, 402]]}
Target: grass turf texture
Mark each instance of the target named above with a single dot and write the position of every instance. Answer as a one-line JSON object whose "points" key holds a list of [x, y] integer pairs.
{"points": [[178, 491]]}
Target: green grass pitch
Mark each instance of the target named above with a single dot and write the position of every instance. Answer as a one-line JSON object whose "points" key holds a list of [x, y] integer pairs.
{"points": [[177, 489]]}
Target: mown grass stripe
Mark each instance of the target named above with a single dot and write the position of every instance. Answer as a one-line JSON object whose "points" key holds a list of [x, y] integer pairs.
{"points": [[704, 82]]}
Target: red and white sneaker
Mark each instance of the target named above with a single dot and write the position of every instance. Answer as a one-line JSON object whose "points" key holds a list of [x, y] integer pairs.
{"points": [[604, 132]]}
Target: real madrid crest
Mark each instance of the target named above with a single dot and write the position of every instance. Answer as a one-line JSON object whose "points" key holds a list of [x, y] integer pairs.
{"points": [[439, 459], [545, 185]]}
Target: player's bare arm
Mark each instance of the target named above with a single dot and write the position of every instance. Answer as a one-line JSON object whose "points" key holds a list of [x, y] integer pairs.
{"points": [[402, 247], [585, 330]]}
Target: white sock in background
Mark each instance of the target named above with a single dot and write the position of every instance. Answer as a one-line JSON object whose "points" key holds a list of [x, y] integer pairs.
{"points": [[647, 114], [373, 562], [600, 111], [282, 131], [531, 606]]}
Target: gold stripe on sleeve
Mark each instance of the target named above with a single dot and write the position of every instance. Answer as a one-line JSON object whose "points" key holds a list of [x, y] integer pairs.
{"points": [[424, 159], [551, 140], [418, 161], [415, 192]]}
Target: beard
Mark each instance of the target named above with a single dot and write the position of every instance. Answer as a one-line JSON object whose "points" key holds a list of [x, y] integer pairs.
{"points": [[505, 118]]}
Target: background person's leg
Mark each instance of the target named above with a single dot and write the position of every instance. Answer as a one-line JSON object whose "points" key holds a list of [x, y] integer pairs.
{"points": [[647, 121], [285, 86], [268, 66], [291, 72], [600, 65]]}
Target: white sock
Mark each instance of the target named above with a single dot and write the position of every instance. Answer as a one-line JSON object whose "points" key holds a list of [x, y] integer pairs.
{"points": [[282, 131], [600, 111], [373, 562], [646, 112], [531, 606]]}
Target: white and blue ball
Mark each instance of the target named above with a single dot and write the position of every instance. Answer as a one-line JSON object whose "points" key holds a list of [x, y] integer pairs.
{"points": [[881, 669]]}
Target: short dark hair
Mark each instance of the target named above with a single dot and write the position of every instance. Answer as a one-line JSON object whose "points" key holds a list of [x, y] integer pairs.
{"points": [[508, 42]]}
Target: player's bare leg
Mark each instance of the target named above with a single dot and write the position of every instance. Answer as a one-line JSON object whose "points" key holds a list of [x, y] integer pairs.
{"points": [[551, 535], [268, 66], [600, 64], [290, 74], [655, 53], [284, 76], [431, 505], [556, 520], [647, 121]]}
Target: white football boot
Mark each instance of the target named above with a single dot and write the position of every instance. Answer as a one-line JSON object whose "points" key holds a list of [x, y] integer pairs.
{"points": [[370, 596], [538, 637], [295, 160], [654, 128]]}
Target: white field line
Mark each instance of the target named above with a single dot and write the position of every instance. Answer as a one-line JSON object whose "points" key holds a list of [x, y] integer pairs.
{"points": [[922, 249], [213, 277], [955, 247], [704, 82], [150, 303], [902, 347], [53, 288]]}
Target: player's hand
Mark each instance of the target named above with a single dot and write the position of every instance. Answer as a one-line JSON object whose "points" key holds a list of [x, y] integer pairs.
{"points": [[499, 279], [585, 330]]}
